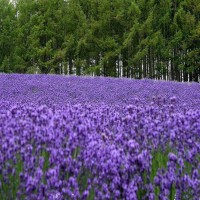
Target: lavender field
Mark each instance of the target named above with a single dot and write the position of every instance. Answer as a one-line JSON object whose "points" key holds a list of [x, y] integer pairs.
{"points": [[68, 138]]}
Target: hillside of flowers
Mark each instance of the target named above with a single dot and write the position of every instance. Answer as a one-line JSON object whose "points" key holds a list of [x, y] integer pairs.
{"points": [[86, 138]]}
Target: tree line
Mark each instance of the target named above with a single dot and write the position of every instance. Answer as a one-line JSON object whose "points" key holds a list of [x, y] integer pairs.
{"points": [[157, 39]]}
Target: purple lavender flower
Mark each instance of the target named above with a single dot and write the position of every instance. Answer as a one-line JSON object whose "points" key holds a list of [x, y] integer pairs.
{"points": [[76, 139]]}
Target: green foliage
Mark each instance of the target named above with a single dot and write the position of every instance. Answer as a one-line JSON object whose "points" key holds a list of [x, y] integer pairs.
{"points": [[10, 187], [92, 70], [144, 34]]}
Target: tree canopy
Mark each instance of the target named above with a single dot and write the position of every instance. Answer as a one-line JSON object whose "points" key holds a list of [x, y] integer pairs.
{"points": [[129, 38]]}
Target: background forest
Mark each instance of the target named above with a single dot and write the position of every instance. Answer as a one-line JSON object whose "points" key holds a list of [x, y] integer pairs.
{"points": [[157, 39]]}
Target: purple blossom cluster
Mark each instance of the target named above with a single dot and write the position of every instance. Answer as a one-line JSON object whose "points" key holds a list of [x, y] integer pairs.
{"points": [[55, 89], [98, 138]]}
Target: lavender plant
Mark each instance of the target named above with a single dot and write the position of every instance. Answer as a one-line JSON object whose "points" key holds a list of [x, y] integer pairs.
{"points": [[98, 138]]}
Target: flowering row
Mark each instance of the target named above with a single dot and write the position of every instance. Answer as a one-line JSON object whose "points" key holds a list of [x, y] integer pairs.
{"points": [[98, 138], [52, 89], [100, 152]]}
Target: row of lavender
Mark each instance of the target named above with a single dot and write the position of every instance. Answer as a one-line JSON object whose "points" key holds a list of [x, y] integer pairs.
{"points": [[51, 89], [70, 149]]}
